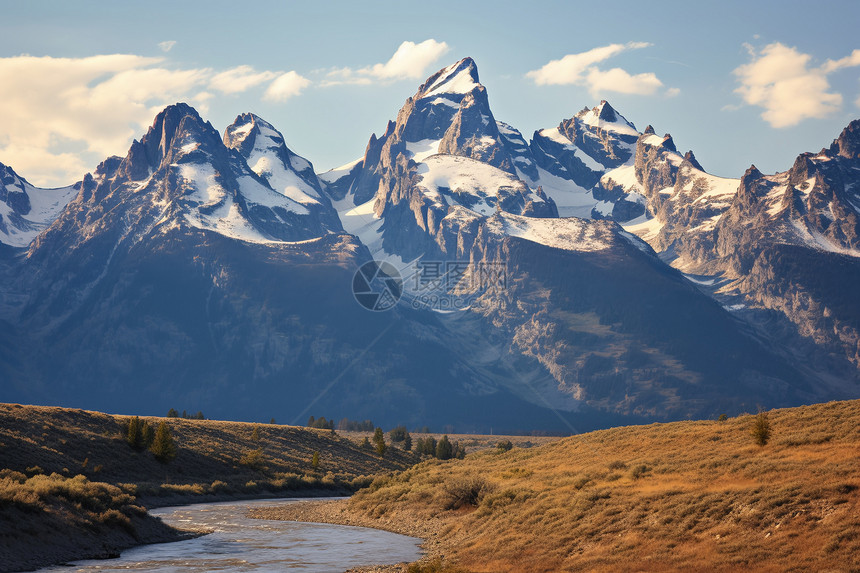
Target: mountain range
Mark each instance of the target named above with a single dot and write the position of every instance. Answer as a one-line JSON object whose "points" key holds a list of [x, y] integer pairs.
{"points": [[588, 277]]}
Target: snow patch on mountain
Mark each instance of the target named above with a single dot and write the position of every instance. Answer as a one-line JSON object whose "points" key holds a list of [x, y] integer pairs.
{"points": [[421, 150], [570, 199], [465, 181], [455, 79], [570, 234]]}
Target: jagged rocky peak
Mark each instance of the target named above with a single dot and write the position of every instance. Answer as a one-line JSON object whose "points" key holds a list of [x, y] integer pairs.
{"points": [[177, 135], [604, 117], [605, 111], [690, 158], [249, 132], [12, 190], [451, 114], [848, 143], [267, 154], [453, 82]]}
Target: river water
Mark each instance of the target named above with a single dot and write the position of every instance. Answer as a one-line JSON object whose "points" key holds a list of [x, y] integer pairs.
{"points": [[239, 543]]}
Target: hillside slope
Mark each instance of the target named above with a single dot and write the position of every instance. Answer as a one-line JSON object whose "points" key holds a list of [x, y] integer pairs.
{"points": [[685, 496]]}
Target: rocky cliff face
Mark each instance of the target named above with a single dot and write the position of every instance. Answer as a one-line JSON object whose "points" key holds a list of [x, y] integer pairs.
{"points": [[440, 166], [613, 328]]}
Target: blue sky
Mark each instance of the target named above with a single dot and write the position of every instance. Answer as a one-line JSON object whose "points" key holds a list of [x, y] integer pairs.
{"points": [[738, 83]]}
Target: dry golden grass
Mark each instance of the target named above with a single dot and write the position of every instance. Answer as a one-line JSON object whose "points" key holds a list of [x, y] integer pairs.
{"points": [[686, 496], [50, 518], [214, 457]]}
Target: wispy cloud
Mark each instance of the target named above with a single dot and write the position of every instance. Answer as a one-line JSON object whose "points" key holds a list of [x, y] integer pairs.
{"points": [[166, 46], [582, 69], [410, 61], [785, 83], [56, 111], [240, 79]]}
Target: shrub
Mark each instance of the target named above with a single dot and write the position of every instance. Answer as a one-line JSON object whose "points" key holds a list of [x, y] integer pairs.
{"points": [[639, 471], [761, 430], [253, 459], [722, 418], [315, 460], [398, 434], [219, 486], [466, 491], [505, 446]]}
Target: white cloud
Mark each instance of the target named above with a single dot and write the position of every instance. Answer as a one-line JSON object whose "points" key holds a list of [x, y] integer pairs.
{"points": [[286, 86], [581, 69], [167, 46], [618, 80], [410, 61], [239, 79], [60, 113], [781, 80]]}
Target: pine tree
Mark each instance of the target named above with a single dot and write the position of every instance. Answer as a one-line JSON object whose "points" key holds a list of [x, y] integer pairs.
{"points": [[172, 413], [255, 435], [379, 442], [407, 443], [162, 446], [138, 434], [761, 428], [426, 446], [147, 435], [444, 449], [132, 432]]}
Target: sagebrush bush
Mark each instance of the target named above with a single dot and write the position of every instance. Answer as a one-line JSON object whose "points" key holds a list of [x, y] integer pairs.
{"points": [[466, 491]]}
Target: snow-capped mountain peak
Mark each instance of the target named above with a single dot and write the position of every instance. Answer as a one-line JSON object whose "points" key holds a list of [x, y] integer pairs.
{"points": [[605, 117], [26, 210], [266, 152], [452, 82]]}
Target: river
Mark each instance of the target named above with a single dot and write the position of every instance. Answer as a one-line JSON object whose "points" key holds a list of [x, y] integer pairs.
{"points": [[239, 543]]}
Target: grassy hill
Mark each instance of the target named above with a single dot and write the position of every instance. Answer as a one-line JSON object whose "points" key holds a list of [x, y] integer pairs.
{"points": [[685, 496], [72, 487]]}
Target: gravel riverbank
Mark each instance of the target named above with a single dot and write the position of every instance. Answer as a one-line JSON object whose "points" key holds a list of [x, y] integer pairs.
{"points": [[337, 512]]}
